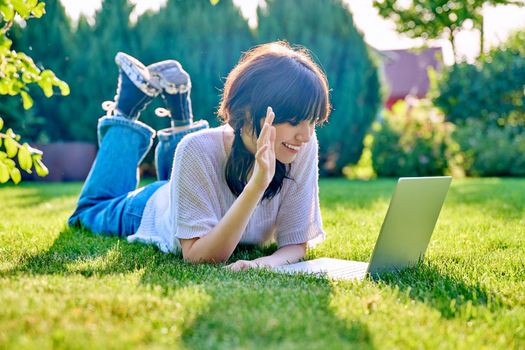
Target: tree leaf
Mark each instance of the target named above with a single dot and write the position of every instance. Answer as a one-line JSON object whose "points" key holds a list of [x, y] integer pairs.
{"points": [[27, 77], [15, 175], [26, 100], [22, 8], [1, 123], [7, 12], [64, 88], [10, 133], [47, 74], [9, 163], [24, 158], [46, 86], [4, 173], [39, 10], [40, 168], [11, 147]]}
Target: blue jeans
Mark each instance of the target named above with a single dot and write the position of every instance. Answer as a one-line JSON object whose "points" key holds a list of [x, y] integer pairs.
{"points": [[110, 202]]}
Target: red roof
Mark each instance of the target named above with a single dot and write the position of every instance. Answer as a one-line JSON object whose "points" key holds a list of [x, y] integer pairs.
{"points": [[406, 71]]}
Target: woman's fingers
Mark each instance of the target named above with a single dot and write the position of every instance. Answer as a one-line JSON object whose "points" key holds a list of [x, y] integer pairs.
{"points": [[272, 138], [270, 116], [264, 136], [260, 151], [268, 145], [233, 266], [241, 265]]}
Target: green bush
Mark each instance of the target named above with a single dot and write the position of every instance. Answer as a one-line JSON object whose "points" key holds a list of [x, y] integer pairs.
{"points": [[491, 150], [486, 101], [490, 90], [208, 40], [411, 140], [18, 73]]}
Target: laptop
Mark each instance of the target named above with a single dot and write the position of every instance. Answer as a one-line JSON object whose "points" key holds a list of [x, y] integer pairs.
{"points": [[404, 236]]}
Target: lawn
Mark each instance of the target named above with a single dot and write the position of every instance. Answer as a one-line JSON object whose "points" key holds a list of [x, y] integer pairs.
{"points": [[65, 288]]}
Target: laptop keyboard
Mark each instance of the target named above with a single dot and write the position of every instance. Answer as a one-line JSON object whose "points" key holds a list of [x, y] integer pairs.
{"points": [[331, 268], [347, 272]]}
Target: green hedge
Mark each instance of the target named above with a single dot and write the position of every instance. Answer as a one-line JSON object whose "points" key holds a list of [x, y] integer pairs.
{"points": [[208, 40], [486, 101], [490, 90], [411, 140], [490, 150]]}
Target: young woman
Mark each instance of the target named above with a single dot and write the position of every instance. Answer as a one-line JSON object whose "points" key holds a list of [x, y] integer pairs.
{"points": [[251, 180]]}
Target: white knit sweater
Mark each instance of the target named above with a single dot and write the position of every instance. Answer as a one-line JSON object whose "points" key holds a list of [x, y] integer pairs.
{"points": [[197, 197]]}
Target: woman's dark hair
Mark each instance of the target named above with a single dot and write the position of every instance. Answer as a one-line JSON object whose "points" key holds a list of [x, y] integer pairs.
{"points": [[277, 75]]}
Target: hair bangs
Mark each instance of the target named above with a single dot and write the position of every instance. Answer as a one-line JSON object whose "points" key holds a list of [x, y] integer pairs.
{"points": [[305, 98]]}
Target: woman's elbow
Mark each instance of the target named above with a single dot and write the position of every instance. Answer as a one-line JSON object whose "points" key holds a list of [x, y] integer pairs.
{"points": [[201, 260], [303, 248], [194, 254], [192, 258]]}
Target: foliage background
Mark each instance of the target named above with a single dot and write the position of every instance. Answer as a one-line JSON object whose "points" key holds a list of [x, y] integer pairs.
{"points": [[18, 73], [208, 40], [486, 101], [411, 139]]}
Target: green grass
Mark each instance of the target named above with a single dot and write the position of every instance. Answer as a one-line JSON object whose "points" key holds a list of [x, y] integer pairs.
{"points": [[65, 288]]}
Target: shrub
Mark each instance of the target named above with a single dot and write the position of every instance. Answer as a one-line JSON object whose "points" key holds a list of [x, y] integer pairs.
{"points": [[411, 140], [18, 73], [491, 150], [487, 102], [490, 90]]}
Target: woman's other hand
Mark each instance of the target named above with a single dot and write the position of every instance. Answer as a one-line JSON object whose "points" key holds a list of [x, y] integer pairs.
{"points": [[241, 265], [264, 167]]}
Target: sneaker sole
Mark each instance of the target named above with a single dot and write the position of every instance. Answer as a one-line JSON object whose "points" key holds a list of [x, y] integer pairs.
{"points": [[171, 88], [137, 73], [158, 78]]}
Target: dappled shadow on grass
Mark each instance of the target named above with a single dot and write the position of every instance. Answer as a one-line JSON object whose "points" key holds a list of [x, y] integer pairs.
{"points": [[34, 195], [449, 295], [255, 309], [261, 309], [78, 251]]}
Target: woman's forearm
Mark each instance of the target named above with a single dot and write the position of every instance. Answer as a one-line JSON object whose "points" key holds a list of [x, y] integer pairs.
{"points": [[218, 245], [285, 255]]}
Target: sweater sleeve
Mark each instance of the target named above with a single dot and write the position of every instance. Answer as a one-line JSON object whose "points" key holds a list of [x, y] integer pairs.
{"points": [[299, 217], [195, 206]]}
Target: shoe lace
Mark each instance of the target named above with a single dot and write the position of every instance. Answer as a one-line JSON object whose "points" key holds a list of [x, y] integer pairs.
{"points": [[109, 107], [162, 112]]}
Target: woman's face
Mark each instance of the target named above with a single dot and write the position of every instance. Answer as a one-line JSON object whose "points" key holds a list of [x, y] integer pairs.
{"points": [[290, 140]]}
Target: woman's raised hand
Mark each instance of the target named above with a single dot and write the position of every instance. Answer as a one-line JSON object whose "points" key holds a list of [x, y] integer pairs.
{"points": [[264, 167]]}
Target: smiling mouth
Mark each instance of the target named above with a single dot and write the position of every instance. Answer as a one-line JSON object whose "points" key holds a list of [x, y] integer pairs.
{"points": [[292, 147]]}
